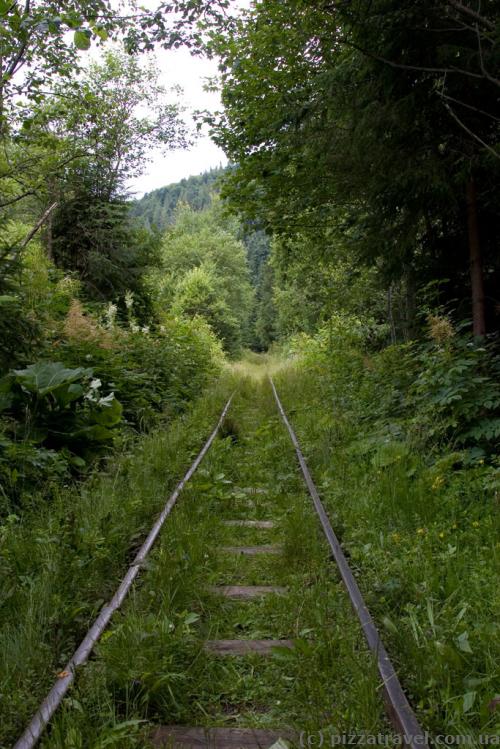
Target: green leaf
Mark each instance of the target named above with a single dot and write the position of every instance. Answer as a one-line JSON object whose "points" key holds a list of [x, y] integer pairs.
{"points": [[93, 433], [110, 414], [463, 643], [101, 33], [76, 461], [468, 701], [68, 393], [43, 378], [191, 618], [81, 40]]}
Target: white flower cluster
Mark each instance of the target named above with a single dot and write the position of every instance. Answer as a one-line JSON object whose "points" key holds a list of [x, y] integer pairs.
{"points": [[110, 315], [129, 299], [94, 396]]}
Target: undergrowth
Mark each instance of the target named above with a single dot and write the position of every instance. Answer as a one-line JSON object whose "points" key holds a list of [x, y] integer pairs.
{"points": [[60, 561], [403, 445]]}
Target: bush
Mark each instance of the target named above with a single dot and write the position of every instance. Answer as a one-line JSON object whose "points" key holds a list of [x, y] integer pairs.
{"points": [[54, 418], [456, 395], [154, 374]]}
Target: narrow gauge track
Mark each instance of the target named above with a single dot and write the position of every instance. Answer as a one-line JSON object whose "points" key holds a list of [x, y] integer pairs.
{"points": [[399, 711]]}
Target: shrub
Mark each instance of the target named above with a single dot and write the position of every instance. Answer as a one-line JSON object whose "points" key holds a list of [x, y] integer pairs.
{"points": [[54, 418], [153, 374]]}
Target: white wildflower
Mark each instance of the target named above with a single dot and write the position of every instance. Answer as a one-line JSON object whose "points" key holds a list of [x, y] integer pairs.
{"points": [[129, 299], [110, 315]]}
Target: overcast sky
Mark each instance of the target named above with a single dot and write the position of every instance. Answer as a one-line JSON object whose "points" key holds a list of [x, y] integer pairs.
{"points": [[178, 67]]}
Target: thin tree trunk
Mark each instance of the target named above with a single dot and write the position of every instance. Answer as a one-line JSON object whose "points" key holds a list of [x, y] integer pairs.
{"points": [[37, 226], [476, 261], [410, 294], [390, 314]]}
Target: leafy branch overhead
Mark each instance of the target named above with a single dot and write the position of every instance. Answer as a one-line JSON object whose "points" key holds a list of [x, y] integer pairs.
{"points": [[40, 39]]}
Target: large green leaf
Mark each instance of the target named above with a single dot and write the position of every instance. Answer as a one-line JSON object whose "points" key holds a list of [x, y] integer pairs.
{"points": [[110, 414], [43, 378], [68, 393]]}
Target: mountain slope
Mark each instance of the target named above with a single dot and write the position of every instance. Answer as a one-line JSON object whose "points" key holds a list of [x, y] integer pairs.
{"points": [[157, 208]]}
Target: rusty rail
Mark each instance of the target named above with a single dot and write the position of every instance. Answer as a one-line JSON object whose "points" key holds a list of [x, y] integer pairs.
{"points": [[398, 708], [54, 698]]}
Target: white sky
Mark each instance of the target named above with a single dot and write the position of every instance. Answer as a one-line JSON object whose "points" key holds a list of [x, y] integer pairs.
{"points": [[178, 67]]}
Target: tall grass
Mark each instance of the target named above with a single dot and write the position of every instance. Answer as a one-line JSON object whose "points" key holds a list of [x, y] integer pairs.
{"points": [[420, 525], [62, 560]]}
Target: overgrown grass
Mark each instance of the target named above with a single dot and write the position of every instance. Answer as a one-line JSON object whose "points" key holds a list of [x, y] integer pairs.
{"points": [[62, 559], [258, 366], [421, 534], [150, 667], [421, 527]]}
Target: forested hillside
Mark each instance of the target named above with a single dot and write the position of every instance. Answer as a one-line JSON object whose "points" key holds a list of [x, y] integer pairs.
{"points": [[351, 254], [167, 206], [157, 208]]}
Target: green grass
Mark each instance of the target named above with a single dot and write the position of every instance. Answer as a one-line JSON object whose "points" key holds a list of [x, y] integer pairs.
{"points": [[62, 560], [423, 534], [150, 667]]}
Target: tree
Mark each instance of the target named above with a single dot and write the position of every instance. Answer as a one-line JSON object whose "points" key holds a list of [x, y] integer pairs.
{"points": [[265, 332], [120, 113], [207, 243], [199, 294], [110, 137], [158, 208], [35, 46], [336, 115], [97, 239]]}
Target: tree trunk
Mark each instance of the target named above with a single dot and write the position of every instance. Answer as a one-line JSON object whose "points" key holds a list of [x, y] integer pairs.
{"points": [[390, 315], [476, 261], [411, 306]]}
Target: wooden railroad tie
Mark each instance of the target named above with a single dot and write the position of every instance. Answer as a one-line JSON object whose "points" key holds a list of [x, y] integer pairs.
{"points": [[246, 591], [253, 489], [250, 523], [185, 737], [245, 647], [252, 550]]}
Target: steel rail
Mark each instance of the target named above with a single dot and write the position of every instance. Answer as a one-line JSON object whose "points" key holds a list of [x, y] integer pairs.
{"points": [[54, 698], [398, 708]]}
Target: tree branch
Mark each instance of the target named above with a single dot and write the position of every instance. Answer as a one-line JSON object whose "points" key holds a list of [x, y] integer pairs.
{"points": [[468, 106], [470, 132], [37, 226], [5, 203], [487, 75], [417, 68], [472, 13]]}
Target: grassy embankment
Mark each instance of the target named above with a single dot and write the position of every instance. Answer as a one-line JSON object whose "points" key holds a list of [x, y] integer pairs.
{"points": [[60, 560], [421, 529]]}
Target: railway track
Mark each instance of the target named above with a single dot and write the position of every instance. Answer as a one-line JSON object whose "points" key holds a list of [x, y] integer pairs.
{"points": [[252, 522]]}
